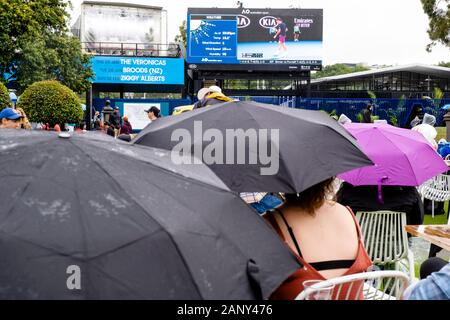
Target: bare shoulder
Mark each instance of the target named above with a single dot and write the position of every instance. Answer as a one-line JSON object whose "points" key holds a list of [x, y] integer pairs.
{"points": [[339, 213], [336, 207]]}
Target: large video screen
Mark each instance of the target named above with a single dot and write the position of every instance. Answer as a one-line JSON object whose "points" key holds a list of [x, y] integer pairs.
{"points": [[255, 36], [121, 24]]}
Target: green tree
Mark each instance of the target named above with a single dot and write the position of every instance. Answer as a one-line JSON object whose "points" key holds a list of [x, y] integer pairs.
{"points": [[36, 46], [337, 69], [21, 19], [58, 57], [444, 64], [438, 12], [4, 97], [51, 102], [181, 37]]}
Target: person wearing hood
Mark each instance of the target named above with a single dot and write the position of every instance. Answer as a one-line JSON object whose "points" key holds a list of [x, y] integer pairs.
{"points": [[210, 96], [426, 128], [367, 114], [415, 118]]}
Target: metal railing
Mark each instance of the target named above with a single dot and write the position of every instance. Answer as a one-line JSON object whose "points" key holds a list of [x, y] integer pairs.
{"points": [[173, 50]]}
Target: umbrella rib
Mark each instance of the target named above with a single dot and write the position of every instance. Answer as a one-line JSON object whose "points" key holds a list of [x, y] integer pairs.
{"points": [[146, 215]]}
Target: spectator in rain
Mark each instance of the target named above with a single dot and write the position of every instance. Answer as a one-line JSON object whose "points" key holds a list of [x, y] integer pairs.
{"points": [[9, 119], [394, 198], [367, 114], [80, 127], [443, 148], [126, 126], [426, 128], [115, 121], [435, 283], [415, 118], [153, 113], [24, 122], [210, 96], [97, 121], [109, 130], [324, 236]]}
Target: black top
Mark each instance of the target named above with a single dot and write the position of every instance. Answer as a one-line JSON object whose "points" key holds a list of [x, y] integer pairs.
{"points": [[365, 198], [282, 28], [115, 119], [367, 116]]}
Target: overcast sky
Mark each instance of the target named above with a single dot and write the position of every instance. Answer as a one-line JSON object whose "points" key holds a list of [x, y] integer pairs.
{"points": [[389, 32]]}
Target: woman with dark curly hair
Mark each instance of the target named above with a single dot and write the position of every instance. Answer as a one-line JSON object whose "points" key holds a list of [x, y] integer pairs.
{"points": [[324, 236]]}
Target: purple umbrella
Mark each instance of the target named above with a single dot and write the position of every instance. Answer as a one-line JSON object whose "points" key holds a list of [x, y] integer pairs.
{"points": [[402, 157]]}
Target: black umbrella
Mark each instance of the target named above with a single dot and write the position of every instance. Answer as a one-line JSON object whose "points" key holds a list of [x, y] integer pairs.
{"points": [[306, 147], [91, 217]]}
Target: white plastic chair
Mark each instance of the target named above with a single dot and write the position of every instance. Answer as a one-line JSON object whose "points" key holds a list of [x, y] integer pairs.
{"points": [[386, 240], [436, 189], [375, 285]]}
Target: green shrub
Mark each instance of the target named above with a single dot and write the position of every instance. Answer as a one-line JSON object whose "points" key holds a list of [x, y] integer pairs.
{"points": [[51, 102], [359, 117], [4, 97]]}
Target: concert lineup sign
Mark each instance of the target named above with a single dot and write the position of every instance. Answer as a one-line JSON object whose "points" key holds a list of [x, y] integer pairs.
{"points": [[255, 36], [135, 70]]}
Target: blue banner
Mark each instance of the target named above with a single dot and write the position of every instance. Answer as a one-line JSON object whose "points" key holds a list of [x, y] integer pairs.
{"points": [[136, 70]]}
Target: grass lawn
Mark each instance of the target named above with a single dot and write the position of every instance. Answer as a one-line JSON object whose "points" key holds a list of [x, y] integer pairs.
{"points": [[438, 219], [441, 133]]}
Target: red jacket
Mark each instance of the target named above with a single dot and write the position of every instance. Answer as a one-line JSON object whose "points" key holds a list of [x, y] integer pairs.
{"points": [[126, 128]]}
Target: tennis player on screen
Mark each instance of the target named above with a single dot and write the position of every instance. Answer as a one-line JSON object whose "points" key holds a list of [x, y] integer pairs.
{"points": [[281, 34]]}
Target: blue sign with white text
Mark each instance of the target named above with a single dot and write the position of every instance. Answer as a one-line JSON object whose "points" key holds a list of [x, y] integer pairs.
{"points": [[215, 40], [137, 70]]}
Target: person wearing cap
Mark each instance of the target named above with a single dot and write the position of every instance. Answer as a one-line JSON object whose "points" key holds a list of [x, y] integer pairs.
{"points": [[210, 96], [115, 120], [153, 113], [9, 119]]}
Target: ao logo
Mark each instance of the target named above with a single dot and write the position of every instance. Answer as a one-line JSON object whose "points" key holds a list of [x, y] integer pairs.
{"points": [[242, 21], [268, 22]]}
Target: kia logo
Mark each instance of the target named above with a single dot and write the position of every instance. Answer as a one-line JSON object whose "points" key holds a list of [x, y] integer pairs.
{"points": [[242, 21], [268, 22]]}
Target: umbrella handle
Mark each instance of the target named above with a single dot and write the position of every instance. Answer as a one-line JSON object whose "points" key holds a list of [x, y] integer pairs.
{"points": [[380, 197]]}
